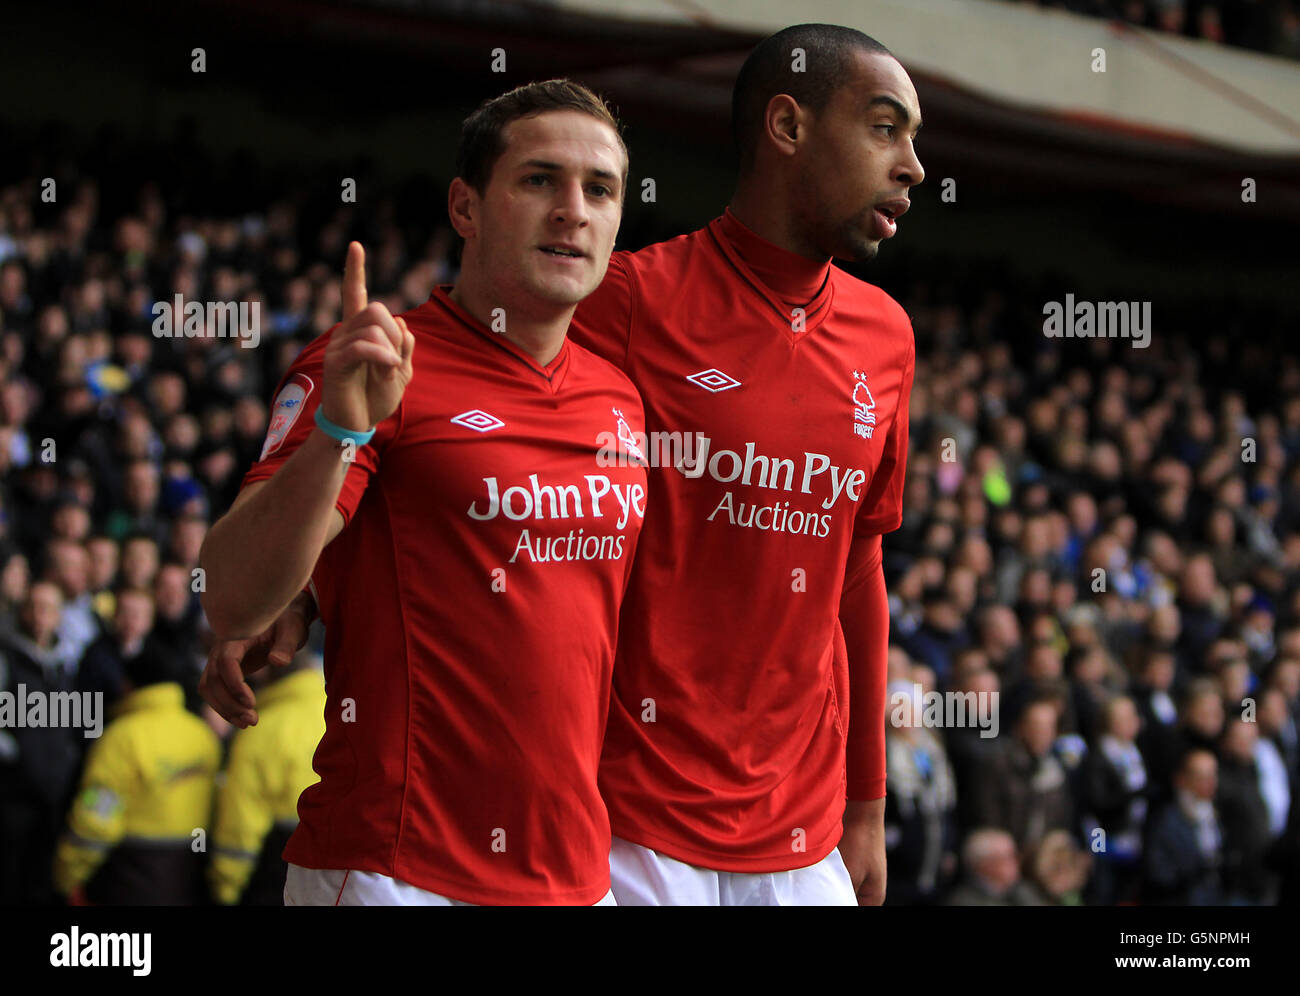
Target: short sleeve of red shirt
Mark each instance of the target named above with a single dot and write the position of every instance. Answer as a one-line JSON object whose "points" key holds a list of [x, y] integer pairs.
{"points": [[882, 508], [292, 419], [603, 321]]}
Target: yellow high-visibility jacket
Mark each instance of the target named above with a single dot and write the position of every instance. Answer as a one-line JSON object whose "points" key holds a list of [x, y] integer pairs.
{"points": [[136, 830], [257, 802]]}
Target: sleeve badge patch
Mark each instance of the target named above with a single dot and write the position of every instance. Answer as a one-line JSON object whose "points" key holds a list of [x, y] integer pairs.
{"points": [[285, 410]]}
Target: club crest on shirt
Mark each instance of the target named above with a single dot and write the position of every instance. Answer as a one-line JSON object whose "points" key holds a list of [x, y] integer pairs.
{"points": [[285, 410], [627, 437], [864, 406]]}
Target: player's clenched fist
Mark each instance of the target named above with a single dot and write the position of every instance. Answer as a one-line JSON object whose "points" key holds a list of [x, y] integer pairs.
{"points": [[368, 359]]}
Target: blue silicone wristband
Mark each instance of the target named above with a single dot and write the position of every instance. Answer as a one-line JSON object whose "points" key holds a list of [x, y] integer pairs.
{"points": [[340, 433]]}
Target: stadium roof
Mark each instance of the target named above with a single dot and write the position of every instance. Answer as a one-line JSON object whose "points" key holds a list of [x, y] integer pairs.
{"points": [[1173, 120]]}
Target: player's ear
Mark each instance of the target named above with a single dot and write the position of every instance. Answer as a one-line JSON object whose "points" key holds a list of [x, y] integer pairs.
{"points": [[462, 208], [781, 123]]}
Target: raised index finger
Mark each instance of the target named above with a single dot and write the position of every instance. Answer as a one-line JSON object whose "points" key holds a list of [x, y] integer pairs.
{"points": [[354, 280]]}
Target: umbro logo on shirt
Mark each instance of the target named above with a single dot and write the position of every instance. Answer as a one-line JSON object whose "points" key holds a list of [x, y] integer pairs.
{"points": [[713, 380], [479, 421]]}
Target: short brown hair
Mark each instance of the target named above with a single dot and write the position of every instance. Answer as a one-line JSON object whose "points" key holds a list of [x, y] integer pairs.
{"points": [[481, 141]]}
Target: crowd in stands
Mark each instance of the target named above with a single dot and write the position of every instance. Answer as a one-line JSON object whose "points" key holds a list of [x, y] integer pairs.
{"points": [[1105, 542], [1263, 25], [1100, 557]]}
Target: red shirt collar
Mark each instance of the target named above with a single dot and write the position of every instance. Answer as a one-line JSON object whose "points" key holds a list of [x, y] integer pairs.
{"points": [[795, 279]]}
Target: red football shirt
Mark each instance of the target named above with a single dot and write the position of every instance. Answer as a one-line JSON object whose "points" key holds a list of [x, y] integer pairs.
{"points": [[726, 738], [470, 608]]}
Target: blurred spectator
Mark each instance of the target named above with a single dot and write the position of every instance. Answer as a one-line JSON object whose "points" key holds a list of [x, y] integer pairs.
{"points": [[1184, 852], [69, 568], [139, 561], [178, 616], [1058, 870], [1044, 678], [999, 637], [38, 764], [103, 668], [105, 558], [1024, 790], [186, 539], [1200, 608], [147, 788], [15, 577], [991, 873], [1201, 718], [970, 750], [1275, 755], [270, 765], [940, 634], [1158, 739], [1092, 683], [1279, 719], [920, 804], [1116, 789], [139, 511], [1244, 817]]}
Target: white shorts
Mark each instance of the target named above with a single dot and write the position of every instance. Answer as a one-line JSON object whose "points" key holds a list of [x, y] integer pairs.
{"points": [[333, 887], [642, 877]]}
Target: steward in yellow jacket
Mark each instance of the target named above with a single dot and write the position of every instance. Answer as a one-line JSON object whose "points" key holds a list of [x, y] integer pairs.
{"points": [[136, 829], [257, 804]]}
